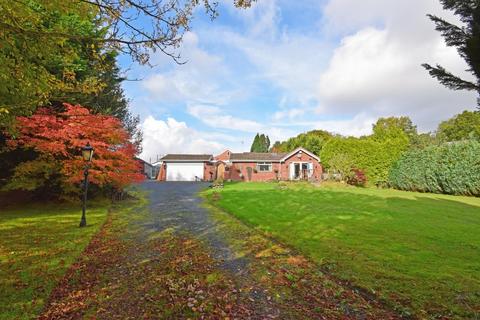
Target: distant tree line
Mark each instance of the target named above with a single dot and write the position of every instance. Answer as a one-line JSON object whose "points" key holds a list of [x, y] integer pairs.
{"points": [[393, 139]]}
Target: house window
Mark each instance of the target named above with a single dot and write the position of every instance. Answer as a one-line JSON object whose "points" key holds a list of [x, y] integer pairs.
{"points": [[264, 166]]}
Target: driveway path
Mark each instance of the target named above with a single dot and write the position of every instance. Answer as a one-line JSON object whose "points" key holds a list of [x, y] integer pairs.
{"points": [[176, 205], [176, 259]]}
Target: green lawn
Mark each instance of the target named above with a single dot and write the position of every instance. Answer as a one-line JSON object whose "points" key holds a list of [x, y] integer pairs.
{"points": [[420, 252], [37, 244]]}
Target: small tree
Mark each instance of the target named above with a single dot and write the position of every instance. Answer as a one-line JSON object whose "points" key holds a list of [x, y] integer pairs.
{"points": [[56, 139], [255, 143]]}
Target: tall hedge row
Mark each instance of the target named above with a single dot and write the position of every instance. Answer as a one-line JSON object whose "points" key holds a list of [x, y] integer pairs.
{"points": [[451, 168], [374, 156]]}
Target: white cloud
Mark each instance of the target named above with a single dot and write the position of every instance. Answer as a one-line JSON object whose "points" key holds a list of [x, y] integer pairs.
{"points": [[214, 117], [203, 78], [406, 17], [288, 114], [360, 125], [293, 62], [261, 19], [377, 69], [172, 136]]}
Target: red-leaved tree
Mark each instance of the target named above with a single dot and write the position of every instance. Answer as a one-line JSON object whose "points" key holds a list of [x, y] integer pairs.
{"points": [[57, 139]]}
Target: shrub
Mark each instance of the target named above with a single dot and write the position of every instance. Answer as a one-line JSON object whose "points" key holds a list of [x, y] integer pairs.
{"points": [[451, 168], [357, 178], [342, 164]]}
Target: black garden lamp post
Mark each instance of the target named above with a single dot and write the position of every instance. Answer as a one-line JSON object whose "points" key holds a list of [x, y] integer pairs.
{"points": [[87, 154]]}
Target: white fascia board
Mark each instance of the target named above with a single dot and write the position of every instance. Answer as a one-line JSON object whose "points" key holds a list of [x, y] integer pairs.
{"points": [[296, 151]]}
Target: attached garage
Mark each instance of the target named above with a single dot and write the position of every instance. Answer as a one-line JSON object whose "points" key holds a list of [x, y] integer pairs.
{"points": [[185, 167], [178, 171]]}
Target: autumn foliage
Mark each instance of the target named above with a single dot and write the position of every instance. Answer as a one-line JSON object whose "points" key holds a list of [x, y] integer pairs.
{"points": [[57, 138]]}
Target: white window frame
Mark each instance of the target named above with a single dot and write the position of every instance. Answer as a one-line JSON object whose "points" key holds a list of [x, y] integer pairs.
{"points": [[310, 168], [270, 165]]}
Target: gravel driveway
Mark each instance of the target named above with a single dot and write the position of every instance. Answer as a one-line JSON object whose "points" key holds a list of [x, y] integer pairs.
{"points": [[176, 205]]}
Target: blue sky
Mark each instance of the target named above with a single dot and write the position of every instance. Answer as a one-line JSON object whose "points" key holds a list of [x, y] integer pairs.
{"points": [[286, 67]]}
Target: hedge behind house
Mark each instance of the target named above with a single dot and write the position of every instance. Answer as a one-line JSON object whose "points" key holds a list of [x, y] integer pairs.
{"points": [[452, 168], [374, 157]]}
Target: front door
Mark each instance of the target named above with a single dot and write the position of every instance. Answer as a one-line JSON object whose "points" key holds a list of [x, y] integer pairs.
{"points": [[221, 171], [296, 172], [304, 174], [300, 171]]}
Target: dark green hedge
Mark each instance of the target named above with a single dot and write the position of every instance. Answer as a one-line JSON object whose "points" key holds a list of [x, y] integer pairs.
{"points": [[452, 168]]}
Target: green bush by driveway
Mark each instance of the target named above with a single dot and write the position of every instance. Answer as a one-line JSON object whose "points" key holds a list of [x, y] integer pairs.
{"points": [[420, 252]]}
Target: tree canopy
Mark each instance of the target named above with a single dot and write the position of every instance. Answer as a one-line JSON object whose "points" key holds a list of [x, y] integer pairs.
{"points": [[465, 38], [53, 49], [312, 140], [56, 139], [464, 126]]}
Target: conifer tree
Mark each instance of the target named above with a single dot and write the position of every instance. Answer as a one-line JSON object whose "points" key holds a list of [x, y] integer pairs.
{"points": [[465, 38], [261, 143], [255, 143]]}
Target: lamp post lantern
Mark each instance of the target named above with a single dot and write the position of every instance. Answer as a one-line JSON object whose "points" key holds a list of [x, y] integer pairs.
{"points": [[87, 154]]}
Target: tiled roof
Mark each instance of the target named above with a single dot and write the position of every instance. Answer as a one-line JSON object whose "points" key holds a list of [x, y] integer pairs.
{"points": [[187, 157], [256, 156]]}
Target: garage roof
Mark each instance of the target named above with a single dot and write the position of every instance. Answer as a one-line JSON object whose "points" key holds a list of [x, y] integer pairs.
{"points": [[187, 157]]}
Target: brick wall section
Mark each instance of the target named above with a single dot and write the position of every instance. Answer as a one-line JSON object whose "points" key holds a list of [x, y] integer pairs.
{"points": [[209, 171], [256, 176], [162, 174], [224, 156]]}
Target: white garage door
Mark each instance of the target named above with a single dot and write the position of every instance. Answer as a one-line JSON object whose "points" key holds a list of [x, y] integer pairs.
{"points": [[184, 171]]}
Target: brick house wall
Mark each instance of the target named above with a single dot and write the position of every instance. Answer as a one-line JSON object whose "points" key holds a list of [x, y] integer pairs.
{"points": [[317, 167], [209, 171], [256, 176], [280, 171], [224, 156]]}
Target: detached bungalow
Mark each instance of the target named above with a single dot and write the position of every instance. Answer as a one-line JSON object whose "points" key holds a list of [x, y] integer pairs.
{"points": [[299, 164]]}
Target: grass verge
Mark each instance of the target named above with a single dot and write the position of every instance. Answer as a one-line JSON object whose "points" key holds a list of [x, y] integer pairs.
{"points": [[38, 244]]}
